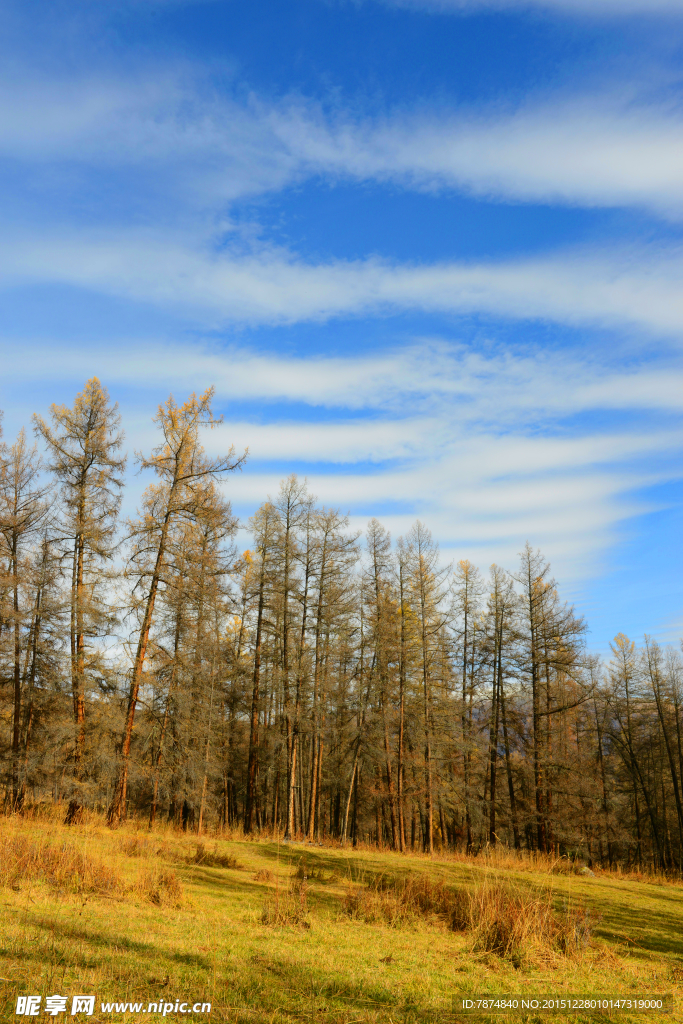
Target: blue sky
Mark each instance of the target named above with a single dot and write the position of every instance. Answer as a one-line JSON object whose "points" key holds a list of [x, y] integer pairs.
{"points": [[429, 253]]}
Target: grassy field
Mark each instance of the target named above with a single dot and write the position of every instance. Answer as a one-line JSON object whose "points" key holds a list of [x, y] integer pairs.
{"points": [[275, 932]]}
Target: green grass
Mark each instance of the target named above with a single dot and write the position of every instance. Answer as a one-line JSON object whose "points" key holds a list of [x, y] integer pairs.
{"points": [[142, 941]]}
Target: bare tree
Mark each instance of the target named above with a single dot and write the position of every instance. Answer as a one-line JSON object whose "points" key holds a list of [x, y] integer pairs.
{"points": [[84, 445], [184, 470], [23, 510], [428, 595]]}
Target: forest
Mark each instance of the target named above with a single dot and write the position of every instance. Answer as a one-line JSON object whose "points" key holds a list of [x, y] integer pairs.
{"points": [[322, 685]]}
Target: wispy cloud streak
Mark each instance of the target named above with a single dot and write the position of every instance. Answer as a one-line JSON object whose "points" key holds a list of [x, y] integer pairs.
{"points": [[476, 445], [640, 287], [616, 148]]}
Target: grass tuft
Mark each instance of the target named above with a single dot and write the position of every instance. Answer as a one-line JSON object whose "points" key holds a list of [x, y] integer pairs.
{"points": [[289, 907], [72, 871], [214, 859], [518, 924], [61, 865], [135, 846], [311, 873], [511, 921], [398, 902], [162, 887]]}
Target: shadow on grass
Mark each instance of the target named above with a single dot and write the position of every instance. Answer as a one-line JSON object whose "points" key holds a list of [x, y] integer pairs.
{"points": [[118, 942], [276, 984], [293, 988], [646, 930], [342, 864], [221, 885]]}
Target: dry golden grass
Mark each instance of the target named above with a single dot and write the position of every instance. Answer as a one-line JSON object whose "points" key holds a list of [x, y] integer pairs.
{"points": [[214, 859], [60, 864], [303, 956], [399, 902], [161, 886], [136, 846], [520, 924], [66, 869], [288, 907], [504, 858], [508, 919], [312, 873]]}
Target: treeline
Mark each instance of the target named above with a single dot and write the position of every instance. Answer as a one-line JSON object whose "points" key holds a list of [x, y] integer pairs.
{"points": [[330, 685]]}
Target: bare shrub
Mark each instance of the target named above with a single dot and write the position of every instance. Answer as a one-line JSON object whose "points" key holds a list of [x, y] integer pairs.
{"points": [[263, 875], [62, 865], [518, 924], [289, 907], [214, 859]]}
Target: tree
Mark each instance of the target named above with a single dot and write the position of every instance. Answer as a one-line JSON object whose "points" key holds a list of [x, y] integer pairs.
{"points": [[382, 614], [335, 554], [23, 511], [84, 445], [42, 662], [664, 701], [625, 703], [501, 606], [551, 637], [184, 471], [467, 590], [427, 593], [257, 584], [292, 506]]}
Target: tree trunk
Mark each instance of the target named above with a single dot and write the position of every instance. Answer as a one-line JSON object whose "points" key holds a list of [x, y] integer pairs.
{"points": [[252, 765], [117, 808]]}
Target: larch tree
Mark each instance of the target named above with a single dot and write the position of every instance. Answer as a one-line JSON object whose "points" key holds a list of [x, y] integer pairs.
{"points": [[381, 617], [292, 506], [501, 605], [84, 447], [534, 578], [183, 470], [23, 511], [258, 581], [664, 695], [467, 590], [428, 595], [42, 662], [335, 558]]}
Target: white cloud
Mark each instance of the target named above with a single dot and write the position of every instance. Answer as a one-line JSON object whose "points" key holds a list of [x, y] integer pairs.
{"points": [[174, 132], [433, 430], [470, 453], [640, 287], [477, 446], [168, 128], [574, 516], [598, 150], [412, 385]]}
